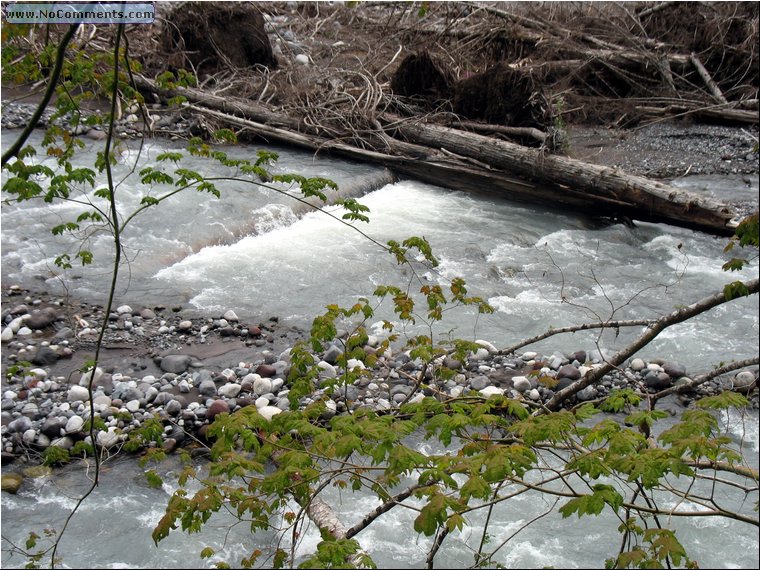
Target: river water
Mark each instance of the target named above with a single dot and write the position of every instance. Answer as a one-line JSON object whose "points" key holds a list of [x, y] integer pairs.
{"points": [[113, 527], [260, 253]]}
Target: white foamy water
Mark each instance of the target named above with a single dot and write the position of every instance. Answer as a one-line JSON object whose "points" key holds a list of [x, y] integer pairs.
{"points": [[259, 253]]}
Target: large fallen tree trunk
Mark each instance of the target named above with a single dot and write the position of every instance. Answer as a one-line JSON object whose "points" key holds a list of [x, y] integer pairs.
{"points": [[647, 199], [458, 159]]}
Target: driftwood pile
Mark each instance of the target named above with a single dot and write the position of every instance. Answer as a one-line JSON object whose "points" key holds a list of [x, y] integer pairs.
{"points": [[466, 94], [476, 93]]}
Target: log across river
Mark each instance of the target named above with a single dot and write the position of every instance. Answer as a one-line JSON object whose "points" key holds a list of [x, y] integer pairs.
{"points": [[451, 157]]}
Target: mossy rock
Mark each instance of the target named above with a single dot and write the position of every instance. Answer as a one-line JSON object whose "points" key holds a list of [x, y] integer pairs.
{"points": [[11, 482]]}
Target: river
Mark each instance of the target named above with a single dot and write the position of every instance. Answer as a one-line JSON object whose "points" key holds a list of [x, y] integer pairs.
{"points": [[258, 252]]}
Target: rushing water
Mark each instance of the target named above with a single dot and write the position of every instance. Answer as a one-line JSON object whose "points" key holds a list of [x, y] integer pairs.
{"points": [[260, 253], [113, 527]]}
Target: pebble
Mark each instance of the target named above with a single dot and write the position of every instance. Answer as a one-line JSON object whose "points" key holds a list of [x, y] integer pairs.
{"points": [[40, 409]]}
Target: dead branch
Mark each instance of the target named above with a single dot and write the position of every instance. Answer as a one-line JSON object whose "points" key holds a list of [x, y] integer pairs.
{"points": [[577, 328], [673, 318], [705, 75], [702, 378]]}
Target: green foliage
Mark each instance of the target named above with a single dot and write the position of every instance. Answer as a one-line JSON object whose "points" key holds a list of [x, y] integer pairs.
{"points": [[336, 553], [154, 480], [487, 450], [150, 432], [83, 449], [620, 400], [735, 289], [18, 369], [662, 549], [33, 551], [55, 455], [603, 495]]}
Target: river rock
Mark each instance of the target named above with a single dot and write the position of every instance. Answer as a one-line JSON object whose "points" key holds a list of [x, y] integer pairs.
{"points": [[588, 393], [262, 386], [270, 411], [175, 363], [265, 370], [42, 319], [327, 369], [37, 471], [569, 371], [489, 391], [84, 379], [521, 383], [229, 390], [674, 369], [108, 439], [657, 380], [11, 482], [77, 393], [45, 356], [332, 354], [63, 334], [743, 379], [479, 382], [207, 388], [74, 424], [64, 442], [579, 355], [173, 407], [480, 354], [29, 436], [126, 391], [637, 365], [52, 426], [216, 408]]}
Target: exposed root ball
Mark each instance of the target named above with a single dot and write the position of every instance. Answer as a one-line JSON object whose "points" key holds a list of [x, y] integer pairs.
{"points": [[420, 75], [503, 95], [213, 36]]}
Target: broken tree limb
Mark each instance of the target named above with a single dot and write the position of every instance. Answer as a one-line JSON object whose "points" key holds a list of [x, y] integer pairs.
{"points": [[702, 378], [656, 8], [576, 328], [516, 172], [707, 78], [729, 115], [324, 517], [428, 165], [649, 200], [525, 132], [651, 332]]}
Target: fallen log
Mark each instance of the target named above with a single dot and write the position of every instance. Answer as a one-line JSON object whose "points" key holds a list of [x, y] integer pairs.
{"points": [[707, 78], [439, 168], [724, 113], [513, 172], [646, 200]]}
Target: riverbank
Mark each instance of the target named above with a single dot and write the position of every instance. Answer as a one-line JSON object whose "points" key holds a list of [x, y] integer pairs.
{"points": [[184, 369], [172, 363]]}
